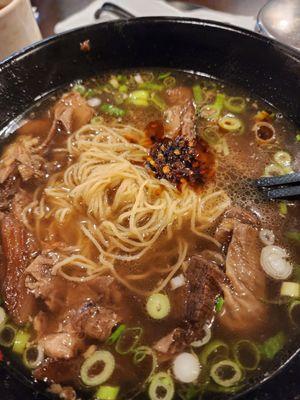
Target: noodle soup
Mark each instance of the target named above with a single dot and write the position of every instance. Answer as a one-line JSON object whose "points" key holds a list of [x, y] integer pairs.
{"points": [[137, 257]]}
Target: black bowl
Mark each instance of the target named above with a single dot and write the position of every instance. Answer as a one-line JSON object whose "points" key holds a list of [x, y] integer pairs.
{"points": [[260, 65]]}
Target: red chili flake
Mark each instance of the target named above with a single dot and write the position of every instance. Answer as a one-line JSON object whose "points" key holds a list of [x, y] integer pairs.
{"points": [[1, 356], [85, 46]]}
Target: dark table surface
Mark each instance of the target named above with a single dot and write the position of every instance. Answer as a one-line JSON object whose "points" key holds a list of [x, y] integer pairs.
{"points": [[286, 385]]}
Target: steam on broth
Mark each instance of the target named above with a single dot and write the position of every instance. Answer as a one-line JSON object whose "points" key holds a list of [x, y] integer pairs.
{"points": [[136, 254]]}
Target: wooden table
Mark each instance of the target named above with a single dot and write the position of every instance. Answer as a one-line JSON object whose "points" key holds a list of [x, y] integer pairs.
{"points": [[52, 11]]}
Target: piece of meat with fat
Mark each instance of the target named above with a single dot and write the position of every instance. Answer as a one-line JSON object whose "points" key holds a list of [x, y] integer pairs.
{"points": [[180, 116], [61, 345], [18, 248], [93, 320], [244, 313], [70, 113], [195, 301], [21, 158], [60, 371]]}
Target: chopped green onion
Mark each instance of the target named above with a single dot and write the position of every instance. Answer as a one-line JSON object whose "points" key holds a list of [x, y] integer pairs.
{"points": [[197, 91], [272, 346], [246, 354], [112, 110], [212, 387], [114, 82], [293, 235], [107, 392], [79, 89], [158, 306], [139, 98], [122, 78], [21, 339], [139, 355], [33, 356], [189, 392], [298, 137], [220, 371], [89, 93], [116, 334], [7, 335], [123, 88], [161, 387], [151, 86], [158, 101], [290, 289], [235, 104], [282, 208], [219, 304], [210, 135], [3, 316], [231, 123], [283, 158], [88, 371], [213, 350], [294, 313], [163, 75], [169, 81], [273, 170], [213, 111], [128, 340], [147, 76]]}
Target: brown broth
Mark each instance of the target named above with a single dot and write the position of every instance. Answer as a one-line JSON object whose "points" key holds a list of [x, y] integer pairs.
{"points": [[234, 174]]}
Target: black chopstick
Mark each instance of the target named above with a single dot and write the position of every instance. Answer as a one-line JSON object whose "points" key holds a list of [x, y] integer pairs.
{"points": [[278, 180], [288, 186]]}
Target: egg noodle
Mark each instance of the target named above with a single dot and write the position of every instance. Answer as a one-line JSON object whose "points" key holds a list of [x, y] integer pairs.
{"points": [[114, 208]]}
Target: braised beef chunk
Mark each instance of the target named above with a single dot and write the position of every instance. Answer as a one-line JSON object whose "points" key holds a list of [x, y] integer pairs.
{"points": [[71, 112], [17, 248], [93, 320], [61, 345], [197, 302], [7, 191], [60, 371], [180, 116], [244, 313]]}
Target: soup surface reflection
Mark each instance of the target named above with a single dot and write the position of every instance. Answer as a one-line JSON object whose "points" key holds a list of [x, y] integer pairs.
{"points": [[137, 256]]}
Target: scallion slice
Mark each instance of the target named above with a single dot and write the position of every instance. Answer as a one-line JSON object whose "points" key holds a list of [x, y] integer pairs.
{"points": [[294, 313], [101, 359], [161, 387], [169, 81], [272, 346], [230, 123], [197, 92], [128, 340], [3, 316], [226, 373], [158, 101], [139, 98], [212, 350], [235, 104], [7, 335], [112, 110], [212, 111], [116, 334], [107, 392], [158, 305], [20, 342], [246, 354], [33, 356], [283, 158], [290, 289]]}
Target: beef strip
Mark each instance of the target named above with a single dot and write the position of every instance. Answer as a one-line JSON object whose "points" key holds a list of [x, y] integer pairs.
{"points": [[180, 116], [7, 191], [60, 371], [243, 312], [195, 302], [71, 112], [18, 248]]}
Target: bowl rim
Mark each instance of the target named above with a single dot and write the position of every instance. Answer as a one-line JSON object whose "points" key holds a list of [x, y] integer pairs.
{"points": [[283, 48]]}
